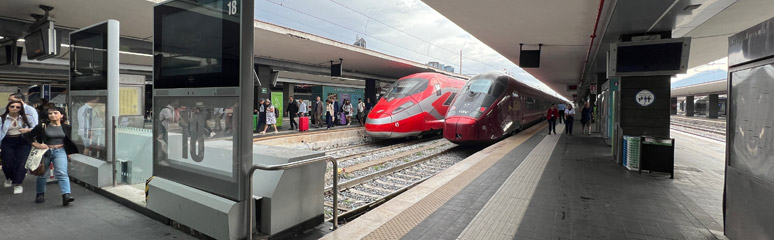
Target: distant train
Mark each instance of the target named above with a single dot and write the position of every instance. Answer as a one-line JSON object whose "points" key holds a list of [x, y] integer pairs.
{"points": [[701, 109], [493, 105], [415, 104]]}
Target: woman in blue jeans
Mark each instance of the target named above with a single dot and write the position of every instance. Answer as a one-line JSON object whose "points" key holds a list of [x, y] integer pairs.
{"points": [[54, 136], [13, 148]]}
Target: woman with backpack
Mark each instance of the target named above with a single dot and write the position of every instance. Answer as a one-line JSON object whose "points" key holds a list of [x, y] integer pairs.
{"points": [[13, 148], [54, 136]]}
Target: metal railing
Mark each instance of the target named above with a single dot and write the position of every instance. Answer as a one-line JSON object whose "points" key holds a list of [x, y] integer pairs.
{"points": [[249, 196]]}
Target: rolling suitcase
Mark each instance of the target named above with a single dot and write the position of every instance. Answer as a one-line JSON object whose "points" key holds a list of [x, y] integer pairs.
{"points": [[342, 119], [303, 124]]}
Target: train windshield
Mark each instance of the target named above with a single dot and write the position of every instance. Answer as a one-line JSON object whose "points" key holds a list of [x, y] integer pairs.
{"points": [[476, 97], [406, 87]]}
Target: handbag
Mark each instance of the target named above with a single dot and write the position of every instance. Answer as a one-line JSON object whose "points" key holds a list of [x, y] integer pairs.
{"points": [[35, 161]]}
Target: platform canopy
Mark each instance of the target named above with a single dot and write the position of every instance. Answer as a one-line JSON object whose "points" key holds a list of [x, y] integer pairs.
{"points": [[287, 49], [564, 28]]}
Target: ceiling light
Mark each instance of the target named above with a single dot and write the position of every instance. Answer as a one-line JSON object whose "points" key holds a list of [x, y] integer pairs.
{"points": [[691, 7]]}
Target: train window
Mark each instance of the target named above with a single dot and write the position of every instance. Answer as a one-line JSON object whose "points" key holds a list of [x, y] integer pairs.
{"points": [[407, 87], [479, 86], [449, 100]]}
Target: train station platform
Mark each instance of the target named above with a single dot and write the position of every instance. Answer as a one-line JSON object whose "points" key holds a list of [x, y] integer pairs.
{"points": [[538, 186], [285, 130], [91, 216]]}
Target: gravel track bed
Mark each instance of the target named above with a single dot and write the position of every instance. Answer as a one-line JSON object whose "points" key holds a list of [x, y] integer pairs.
{"points": [[400, 161], [396, 181], [698, 129], [372, 157], [384, 154]]}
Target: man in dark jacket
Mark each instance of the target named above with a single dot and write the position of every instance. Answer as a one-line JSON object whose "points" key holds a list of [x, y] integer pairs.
{"points": [[292, 111], [336, 109], [319, 112]]}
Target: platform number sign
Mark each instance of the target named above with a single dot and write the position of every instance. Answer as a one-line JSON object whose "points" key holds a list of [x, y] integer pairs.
{"points": [[232, 7], [645, 98]]}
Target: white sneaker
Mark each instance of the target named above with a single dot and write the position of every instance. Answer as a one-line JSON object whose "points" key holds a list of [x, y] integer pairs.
{"points": [[7, 183], [17, 189]]}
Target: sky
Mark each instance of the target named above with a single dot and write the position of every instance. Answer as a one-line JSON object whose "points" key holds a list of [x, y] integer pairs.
{"points": [[717, 65], [407, 29]]}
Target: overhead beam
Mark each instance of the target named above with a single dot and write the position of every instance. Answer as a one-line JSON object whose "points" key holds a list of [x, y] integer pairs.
{"points": [[318, 70]]}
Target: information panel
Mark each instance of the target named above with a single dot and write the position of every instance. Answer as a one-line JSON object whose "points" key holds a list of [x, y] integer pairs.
{"points": [[88, 58], [197, 101], [196, 45]]}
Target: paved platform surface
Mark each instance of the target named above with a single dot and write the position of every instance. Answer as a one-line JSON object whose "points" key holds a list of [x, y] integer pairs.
{"points": [[285, 129], [557, 187], [91, 216]]}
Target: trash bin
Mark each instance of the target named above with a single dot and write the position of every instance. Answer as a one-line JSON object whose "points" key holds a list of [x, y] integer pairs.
{"points": [[631, 152], [255, 123], [657, 155]]}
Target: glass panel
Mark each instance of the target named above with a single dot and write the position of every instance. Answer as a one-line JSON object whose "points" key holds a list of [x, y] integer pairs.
{"points": [[476, 96], [196, 45], [189, 150], [88, 55], [750, 124], [406, 87], [89, 125]]}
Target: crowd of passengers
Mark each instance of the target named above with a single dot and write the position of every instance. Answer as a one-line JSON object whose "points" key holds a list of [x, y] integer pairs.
{"points": [[329, 113], [566, 114]]}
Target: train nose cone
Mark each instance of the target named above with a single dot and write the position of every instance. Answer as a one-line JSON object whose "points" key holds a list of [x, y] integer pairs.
{"points": [[459, 129], [450, 128], [379, 126]]}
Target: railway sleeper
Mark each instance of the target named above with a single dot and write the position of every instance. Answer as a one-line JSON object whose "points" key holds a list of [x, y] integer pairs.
{"points": [[366, 194]]}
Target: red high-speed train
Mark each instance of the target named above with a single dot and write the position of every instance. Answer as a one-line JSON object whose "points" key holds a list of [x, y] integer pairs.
{"points": [[415, 104], [493, 105]]}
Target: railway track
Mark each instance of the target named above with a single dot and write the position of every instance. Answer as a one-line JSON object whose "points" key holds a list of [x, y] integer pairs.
{"points": [[368, 148], [710, 132], [353, 164], [388, 179]]}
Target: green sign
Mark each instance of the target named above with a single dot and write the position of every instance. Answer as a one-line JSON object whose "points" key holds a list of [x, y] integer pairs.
{"points": [[264, 90], [276, 100]]}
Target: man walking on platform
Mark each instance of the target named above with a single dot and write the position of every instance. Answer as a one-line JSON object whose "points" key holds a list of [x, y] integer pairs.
{"points": [[551, 116], [292, 111], [319, 112], [561, 107]]}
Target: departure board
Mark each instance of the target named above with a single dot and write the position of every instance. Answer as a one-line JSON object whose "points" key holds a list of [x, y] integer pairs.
{"points": [[196, 45]]}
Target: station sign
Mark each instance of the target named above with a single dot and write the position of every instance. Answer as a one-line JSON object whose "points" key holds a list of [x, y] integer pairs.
{"points": [[45, 92], [645, 98]]}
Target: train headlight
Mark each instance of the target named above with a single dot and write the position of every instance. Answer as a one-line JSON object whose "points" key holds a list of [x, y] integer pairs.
{"points": [[403, 107]]}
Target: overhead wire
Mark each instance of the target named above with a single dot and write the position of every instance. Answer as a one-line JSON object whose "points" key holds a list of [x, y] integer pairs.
{"points": [[521, 71], [356, 31], [408, 34]]}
